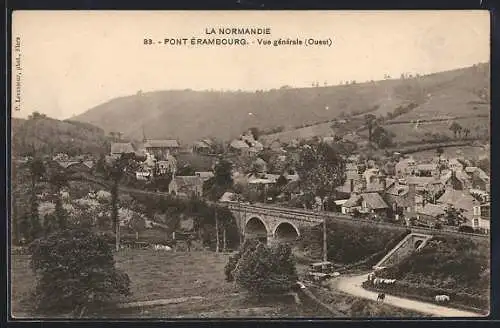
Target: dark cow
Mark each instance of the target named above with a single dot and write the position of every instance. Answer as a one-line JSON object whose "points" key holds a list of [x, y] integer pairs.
{"points": [[380, 297]]}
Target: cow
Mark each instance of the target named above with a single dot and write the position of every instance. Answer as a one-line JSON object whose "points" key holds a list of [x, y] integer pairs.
{"points": [[380, 297], [442, 298], [162, 248]]}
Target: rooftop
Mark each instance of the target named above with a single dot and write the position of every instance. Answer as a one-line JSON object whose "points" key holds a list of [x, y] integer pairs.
{"points": [[122, 148], [167, 143]]}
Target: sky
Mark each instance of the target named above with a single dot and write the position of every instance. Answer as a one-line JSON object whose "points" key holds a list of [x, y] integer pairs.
{"points": [[72, 61]]}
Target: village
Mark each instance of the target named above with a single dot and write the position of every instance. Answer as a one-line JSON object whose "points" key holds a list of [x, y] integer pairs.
{"points": [[234, 184], [440, 192]]}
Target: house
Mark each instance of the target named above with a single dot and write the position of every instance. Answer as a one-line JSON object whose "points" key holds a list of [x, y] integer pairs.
{"points": [[370, 175], [77, 166], [461, 199], [440, 160], [379, 184], [161, 148], [427, 170], [481, 222], [169, 165], [119, 148], [186, 186], [238, 146], [351, 171], [405, 166], [275, 145], [402, 198], [458, 180], [144, 173], [430, 213], [202, 147], [426, 184], [370, 202], [455, 165], [479, 179]]}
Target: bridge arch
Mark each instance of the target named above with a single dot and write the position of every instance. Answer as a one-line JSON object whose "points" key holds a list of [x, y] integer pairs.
{"points": [[286, 231], [418, 243], [256, 228]]}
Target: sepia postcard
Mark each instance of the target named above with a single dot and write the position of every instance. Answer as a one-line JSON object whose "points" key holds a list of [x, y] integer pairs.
{"points": [[257, 164]]}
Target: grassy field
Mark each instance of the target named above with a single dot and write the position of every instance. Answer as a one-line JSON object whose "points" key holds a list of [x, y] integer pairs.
{"points": [[409, 132], [200, 275], [165, 275], [450, 152]]}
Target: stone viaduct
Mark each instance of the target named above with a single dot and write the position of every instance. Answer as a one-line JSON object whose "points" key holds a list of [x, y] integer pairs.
{"points": [[272, 224]]}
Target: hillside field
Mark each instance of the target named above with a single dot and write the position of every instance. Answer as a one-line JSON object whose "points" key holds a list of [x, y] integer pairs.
{"points": [[51, 136], [190, 115]]}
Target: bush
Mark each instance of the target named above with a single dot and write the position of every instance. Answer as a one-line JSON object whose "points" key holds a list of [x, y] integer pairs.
{"points": [[263, 270], [76, 272], [233, 260]]}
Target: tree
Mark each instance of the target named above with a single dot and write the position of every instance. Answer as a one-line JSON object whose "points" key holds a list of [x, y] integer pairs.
{"points": [[115, 168], [455, 128], [261, 269], [186, 170], [370, 120], [58, 179], [255, 132], [216, 186], [321, 170], [382, 137], [454, 217], [76, 272], [137, 224], [466, 132], [37, 171]]}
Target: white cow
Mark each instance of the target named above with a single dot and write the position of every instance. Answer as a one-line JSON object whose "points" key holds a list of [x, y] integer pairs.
{"points": [[442, 298], [162, 248]]}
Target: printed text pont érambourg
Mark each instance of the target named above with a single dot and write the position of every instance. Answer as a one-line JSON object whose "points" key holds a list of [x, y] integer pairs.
{"points": [[207, 42]]}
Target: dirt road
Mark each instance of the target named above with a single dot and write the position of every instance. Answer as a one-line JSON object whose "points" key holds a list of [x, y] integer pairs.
{"points": [[352, 285]]}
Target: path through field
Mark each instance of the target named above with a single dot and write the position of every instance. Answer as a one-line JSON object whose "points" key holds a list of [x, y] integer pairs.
{"points": [[352, 285]]}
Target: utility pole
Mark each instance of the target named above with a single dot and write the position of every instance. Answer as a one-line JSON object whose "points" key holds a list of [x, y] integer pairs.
{"points": [[216, 232], [325, 247]]}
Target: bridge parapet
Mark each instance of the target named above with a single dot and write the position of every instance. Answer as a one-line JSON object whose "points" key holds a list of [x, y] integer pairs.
{"points": [[409, 244]]}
